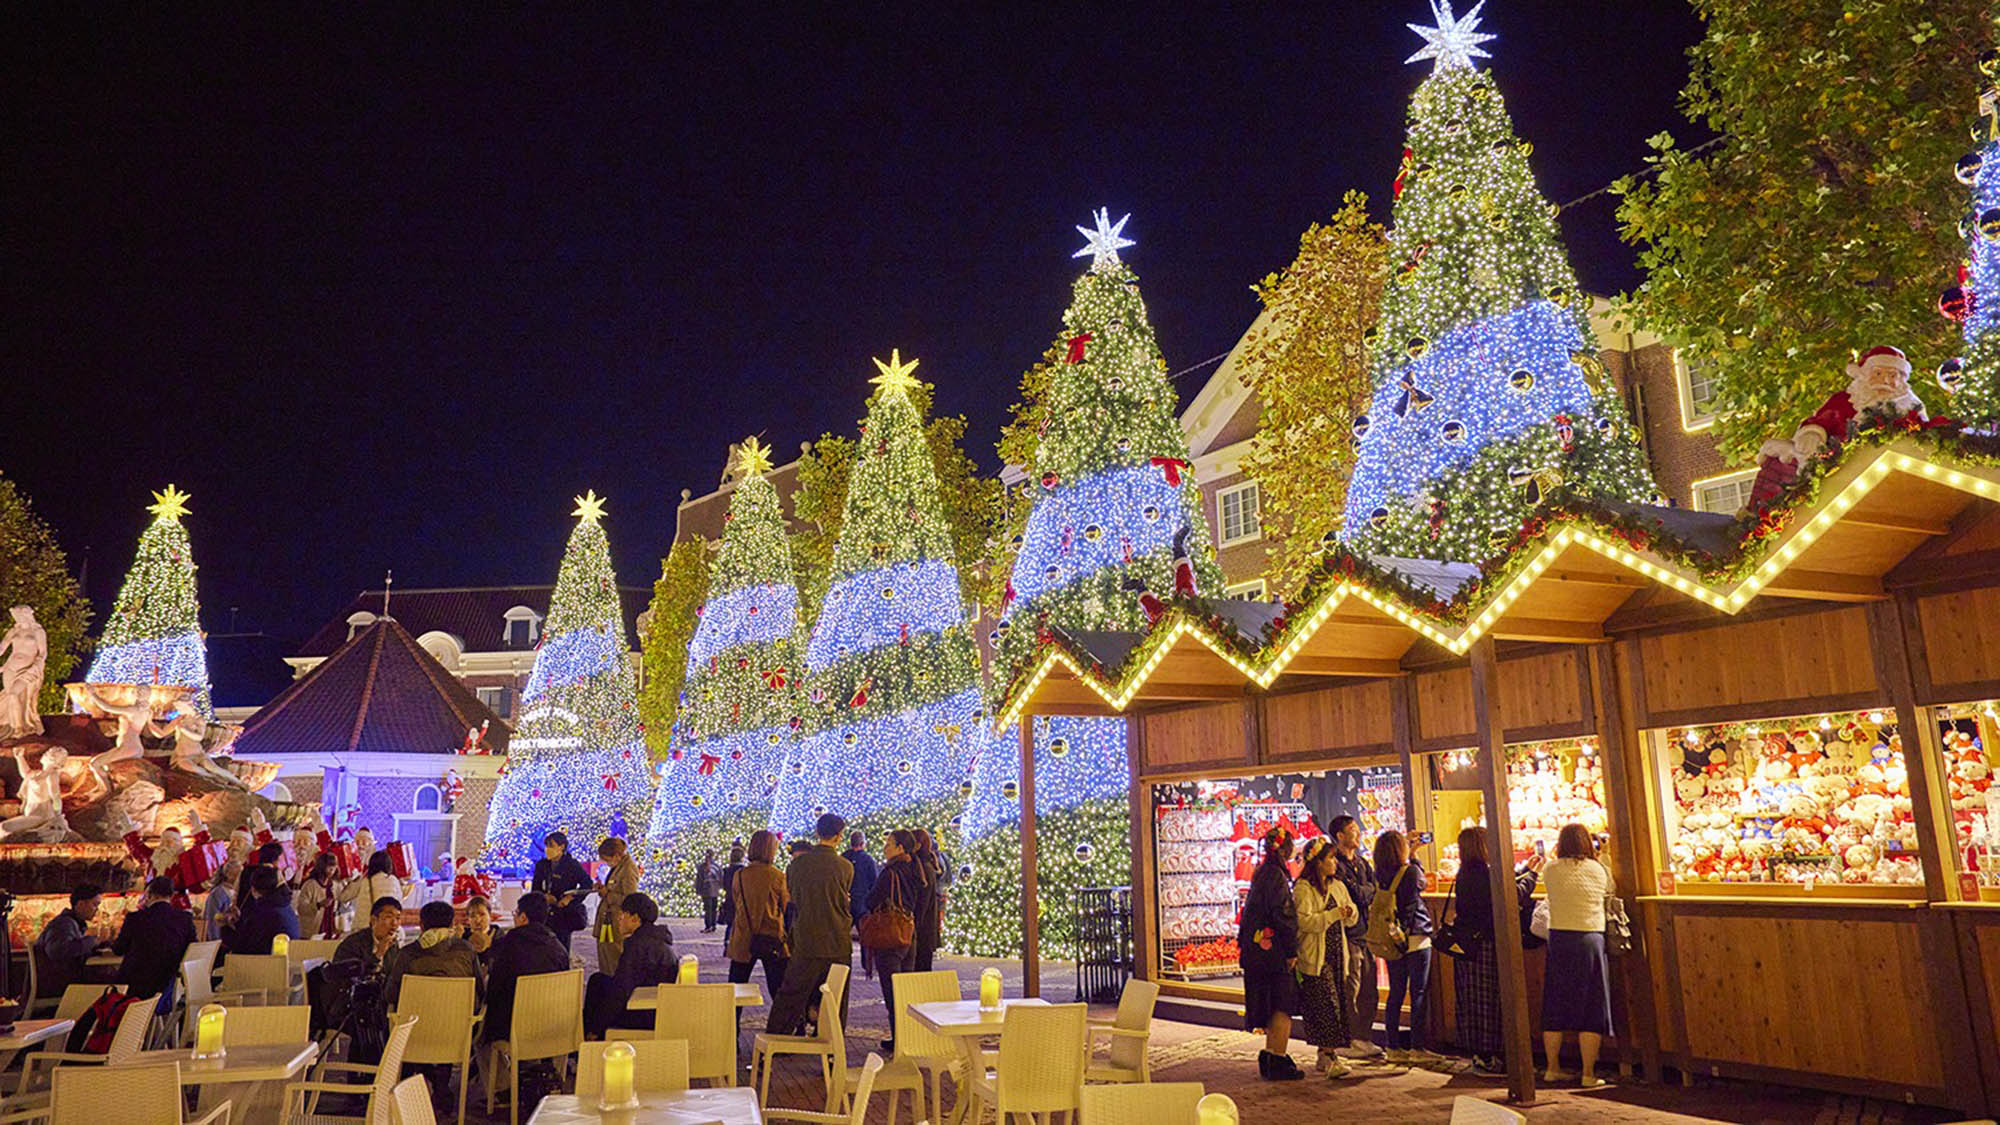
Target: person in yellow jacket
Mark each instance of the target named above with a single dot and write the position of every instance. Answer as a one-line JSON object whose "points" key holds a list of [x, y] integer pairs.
{"points": [[620, 880], [1325, 911]]}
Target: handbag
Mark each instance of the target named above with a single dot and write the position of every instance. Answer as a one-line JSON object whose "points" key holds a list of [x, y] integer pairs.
{"points": [[890, 925], [1449, 938], [1538, 925], [1617, 927]]}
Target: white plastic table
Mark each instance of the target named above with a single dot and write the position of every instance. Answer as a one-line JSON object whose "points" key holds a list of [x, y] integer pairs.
{"points": [[969, 1025], [730, 1105], [28, 1033], [749, 994], [252, 1079]]}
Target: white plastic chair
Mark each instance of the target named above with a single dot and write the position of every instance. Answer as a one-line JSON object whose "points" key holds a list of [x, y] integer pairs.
{"points": [[77, 999], [128, 1040], [302, 1098], [204, 952], [1468, 1110], [1130, 1032], [143, 1095], [451, 1018], [413, 1103], [705, 1016], [830, 1045], [548, 1024], [1142, 1103], [1040, 1069], [659, 1064], [921, 1054], [272, 1026], [267, 976], [198, 991], [864, 1089]]}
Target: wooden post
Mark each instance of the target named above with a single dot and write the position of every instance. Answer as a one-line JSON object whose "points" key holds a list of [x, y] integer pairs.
{"points": [[1889, 633], [1492, 768], [1145, 945], [1619, 751], [1403, 730], [1031, 909]]}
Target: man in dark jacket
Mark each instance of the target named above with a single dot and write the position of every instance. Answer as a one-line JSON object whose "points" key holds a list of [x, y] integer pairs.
{"points": [[438, 952], [153, 939], [367, 953], [529, 948], [821, 886], [707, 888], [1354, 869], [268, 914], [737, 862], [865, 874], [648, 960], [66, 942]]}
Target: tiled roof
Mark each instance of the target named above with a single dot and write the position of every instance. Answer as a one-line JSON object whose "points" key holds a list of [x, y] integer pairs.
{"points": [[475, 615], [378, 693]]}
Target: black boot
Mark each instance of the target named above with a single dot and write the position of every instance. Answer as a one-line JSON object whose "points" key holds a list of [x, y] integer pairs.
{"points": [[1283, 1069], [1264, 1065]]}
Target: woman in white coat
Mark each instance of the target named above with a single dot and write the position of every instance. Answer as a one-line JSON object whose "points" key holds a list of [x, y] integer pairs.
{"points": [[1325, 912], [371, 888]]}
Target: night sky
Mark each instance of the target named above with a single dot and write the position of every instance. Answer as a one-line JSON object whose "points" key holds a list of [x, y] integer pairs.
{"points": [[387, 294]]}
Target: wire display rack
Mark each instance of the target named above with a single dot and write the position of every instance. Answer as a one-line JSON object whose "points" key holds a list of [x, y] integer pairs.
{"points": [[1103, 943]]}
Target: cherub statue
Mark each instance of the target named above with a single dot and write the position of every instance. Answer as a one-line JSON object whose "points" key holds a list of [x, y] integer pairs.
{"points": [[27, 647], [41, 799], [189, 729], [133, 718]]}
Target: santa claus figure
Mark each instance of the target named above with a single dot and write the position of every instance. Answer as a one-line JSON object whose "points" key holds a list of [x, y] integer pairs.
{"points": [[1878, 389], [464, 882]]}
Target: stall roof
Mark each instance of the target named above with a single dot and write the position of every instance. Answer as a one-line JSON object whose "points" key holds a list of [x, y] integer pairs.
{"points": [[1835, 540]]}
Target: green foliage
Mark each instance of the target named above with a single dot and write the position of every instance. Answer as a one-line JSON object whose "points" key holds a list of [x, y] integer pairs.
{"points": [[663, 639], [1308, 366], [34, 572], [1087, 845], [971, 503], [1823, 222]]}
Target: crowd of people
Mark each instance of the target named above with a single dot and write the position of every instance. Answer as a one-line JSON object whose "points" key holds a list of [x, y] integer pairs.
{"points": [[1310, 946]]}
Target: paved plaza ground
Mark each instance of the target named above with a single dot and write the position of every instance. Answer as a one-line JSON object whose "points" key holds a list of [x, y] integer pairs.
{"points": [[1227, 1061]]}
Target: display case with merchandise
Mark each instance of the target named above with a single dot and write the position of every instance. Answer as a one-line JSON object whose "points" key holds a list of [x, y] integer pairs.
{"points": [[1818, 802], [1965, 732], [1207, 839], [1549, 784]]}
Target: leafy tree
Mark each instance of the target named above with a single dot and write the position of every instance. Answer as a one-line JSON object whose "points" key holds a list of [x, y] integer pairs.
{"points": [[665, 631], [34, 572], [1823, 221], [1308, 365]]}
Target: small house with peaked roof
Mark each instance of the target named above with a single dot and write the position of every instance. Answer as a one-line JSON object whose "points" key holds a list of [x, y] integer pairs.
{"points": [[371, 732]]}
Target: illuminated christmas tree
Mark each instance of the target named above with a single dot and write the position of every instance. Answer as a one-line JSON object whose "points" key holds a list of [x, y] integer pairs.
{"points": [[577, 762], [154, 636], [1116, 528], [739, 705], [1976, 298], [894, 715], [1489, 396]]}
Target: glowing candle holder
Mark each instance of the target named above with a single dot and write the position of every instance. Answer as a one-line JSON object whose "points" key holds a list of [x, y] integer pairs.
{"points": [[620, 1090], [1216, 1109], [989, 988], [690, 969], [281, 946], [208, 1032]]}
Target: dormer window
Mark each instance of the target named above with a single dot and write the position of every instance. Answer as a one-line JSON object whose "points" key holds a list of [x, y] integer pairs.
{"points": [[521, 628], [358, 620]]}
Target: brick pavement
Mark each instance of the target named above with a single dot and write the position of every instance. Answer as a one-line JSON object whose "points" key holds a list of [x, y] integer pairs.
{"points": [[1226, 1061]]}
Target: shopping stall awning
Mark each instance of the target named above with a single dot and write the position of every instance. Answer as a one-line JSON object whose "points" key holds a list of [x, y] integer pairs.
{"points": [[1859, 519]]}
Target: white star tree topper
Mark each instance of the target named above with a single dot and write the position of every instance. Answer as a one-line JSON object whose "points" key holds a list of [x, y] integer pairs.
{"points": [[1103, 244], [1451, 41]]}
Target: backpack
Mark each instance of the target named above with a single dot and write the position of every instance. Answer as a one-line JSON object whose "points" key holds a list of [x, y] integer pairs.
{"points": [[1385, 936], [98, 1025]]}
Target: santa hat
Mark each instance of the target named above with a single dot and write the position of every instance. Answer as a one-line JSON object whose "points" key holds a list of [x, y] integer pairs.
{"points": [[1884, 350]]}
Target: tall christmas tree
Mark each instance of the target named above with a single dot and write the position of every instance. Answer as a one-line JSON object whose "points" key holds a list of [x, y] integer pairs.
{"points": [[894, 714], [739, 706], [154, 636], [577, 762], [1489, 396], [1116, 524], [1976, 297]]}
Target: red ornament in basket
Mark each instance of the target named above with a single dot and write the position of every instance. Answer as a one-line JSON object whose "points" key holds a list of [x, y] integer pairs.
{"points": [[402, 859]]}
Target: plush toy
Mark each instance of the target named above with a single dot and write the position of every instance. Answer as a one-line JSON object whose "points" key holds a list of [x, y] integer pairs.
{"points": [[1878, 389]]}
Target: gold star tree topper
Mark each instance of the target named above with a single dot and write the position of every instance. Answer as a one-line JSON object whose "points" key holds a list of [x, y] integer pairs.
{"points": [[172, 504], [895, 374], [589, 507], [752, 458]]}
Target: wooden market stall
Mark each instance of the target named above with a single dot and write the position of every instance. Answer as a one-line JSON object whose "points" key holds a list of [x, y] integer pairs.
{"points": [[1786, 748]]}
